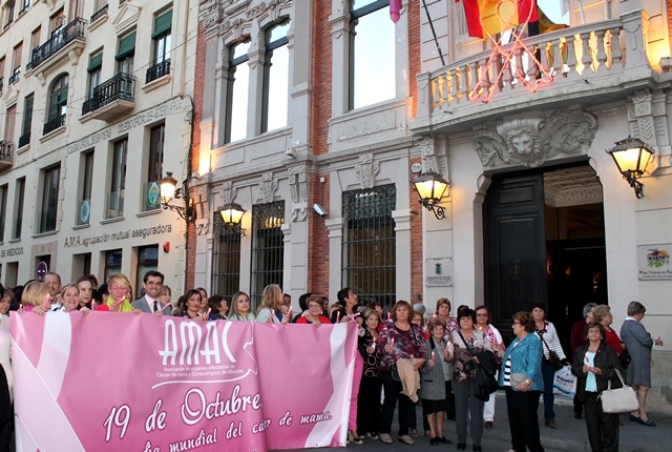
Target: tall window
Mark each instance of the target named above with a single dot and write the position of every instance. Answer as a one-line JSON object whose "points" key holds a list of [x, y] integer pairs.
{"points": [[2, 72], [372, 55], [51, 177], [268, 250], [112, 262], [276, 78], [3, 211], [154, 167], [10, 124], [8, 11], [35, 39], [160, 46], [125, 54], [94, 70], [16, 72], [115, 199], [58, 104], [237, 93], [25, 4], [148, 259], [225, 259], [369, 244], [84, 211], [27, 120], [76, 9], [56, 23], [18, 207]]}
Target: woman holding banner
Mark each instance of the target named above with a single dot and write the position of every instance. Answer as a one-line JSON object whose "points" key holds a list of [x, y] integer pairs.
{"points": [[368, 400], [117, 301], [240, 307], [269, 309], [402, 348]]}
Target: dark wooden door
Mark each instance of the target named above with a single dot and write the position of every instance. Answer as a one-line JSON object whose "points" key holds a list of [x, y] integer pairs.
{"points": [[515, 246]]}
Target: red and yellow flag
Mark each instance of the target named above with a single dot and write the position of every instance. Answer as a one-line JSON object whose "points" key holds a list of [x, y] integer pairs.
{"points": [[495, 16]]}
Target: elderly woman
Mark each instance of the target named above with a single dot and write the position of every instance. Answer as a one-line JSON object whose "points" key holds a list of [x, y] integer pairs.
{"points": [[85, 286], [576, 339], [240, 307], [602, 315], [434, 375], [550, 341], [314, 313], [467, 343], [443, 308], [595, 364], [117, 301], [401, 345], [483, 317], [639, 343], [522, 380], [269, 309], [70, 298]]}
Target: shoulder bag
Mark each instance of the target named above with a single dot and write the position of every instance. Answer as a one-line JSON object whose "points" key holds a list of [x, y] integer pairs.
{"points": [[553, 357], [620, 400]]}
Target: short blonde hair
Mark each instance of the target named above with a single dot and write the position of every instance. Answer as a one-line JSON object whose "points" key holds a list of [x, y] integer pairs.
{"points": [[599, 312], [69, 286], [119, 278], [35, 293]]}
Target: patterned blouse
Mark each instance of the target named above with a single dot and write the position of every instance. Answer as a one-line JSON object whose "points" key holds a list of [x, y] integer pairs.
{"points": [[407, 344], [464, 366], [371, 361], [451, 325]]}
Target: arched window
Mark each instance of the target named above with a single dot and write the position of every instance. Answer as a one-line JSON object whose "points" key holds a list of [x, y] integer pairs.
{"points": [[58, 99]]}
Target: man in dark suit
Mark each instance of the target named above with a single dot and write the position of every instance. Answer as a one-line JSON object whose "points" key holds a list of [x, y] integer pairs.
{"points": [[152, 284]]}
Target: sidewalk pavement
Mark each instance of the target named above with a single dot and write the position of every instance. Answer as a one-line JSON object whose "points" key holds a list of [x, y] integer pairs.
{"points": [[571, 434]]}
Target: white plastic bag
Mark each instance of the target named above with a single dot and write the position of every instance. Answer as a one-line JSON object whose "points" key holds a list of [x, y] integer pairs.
{"points": [[564, 382]]}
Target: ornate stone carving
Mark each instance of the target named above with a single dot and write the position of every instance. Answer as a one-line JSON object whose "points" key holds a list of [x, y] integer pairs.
{"points": [[268, 187], [647, 117], [366, 171], [228, 193], [298, 187], [533, 140]]}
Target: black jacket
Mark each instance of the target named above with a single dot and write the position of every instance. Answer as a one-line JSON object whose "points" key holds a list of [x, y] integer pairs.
{"points": [[606, 359]]}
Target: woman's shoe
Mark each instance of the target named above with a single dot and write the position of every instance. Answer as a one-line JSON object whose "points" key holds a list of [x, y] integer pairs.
{"points": [[373, 435], [406, 440], [634, 418], [354, 438], [414, 433], [478, 449], [444, 440], [434, 441], [461, 446], [648, 422]]}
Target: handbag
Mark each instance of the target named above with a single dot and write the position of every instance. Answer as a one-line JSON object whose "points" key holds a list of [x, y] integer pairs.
{"points": [[486, 383], [553, 357], [621, 400], [625, 358]]}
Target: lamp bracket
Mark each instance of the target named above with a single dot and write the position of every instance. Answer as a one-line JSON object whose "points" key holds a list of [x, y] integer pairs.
{"points": [[438, 211], [631, 177]]}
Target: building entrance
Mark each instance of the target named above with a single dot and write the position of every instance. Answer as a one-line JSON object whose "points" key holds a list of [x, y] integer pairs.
{"points": [[544, 241]]}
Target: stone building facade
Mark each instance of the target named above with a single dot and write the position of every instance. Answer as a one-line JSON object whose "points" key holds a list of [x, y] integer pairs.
{"points": [[536, 209], [96, 109]]}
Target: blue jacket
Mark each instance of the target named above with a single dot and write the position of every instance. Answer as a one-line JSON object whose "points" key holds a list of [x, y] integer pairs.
{"points": [[525, 357]]}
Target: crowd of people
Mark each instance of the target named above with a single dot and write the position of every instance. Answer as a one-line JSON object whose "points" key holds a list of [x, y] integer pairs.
{"points": [[437, 361]]}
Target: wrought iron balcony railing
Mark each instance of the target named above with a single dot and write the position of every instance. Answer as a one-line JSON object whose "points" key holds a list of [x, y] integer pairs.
{"points": [[75, 30], [119, 87], [24, 140], [6, 150], [98, 14], [2, 83], [16, 75], [54, 124], [158, 71]]}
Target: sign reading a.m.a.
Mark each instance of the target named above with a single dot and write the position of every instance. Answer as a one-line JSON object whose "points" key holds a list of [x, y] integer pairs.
{"points": [[439, 272], [653, 262]]}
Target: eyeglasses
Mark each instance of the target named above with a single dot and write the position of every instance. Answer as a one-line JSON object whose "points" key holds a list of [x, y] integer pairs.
{"points": [[514, 324], [481, 315], [594, 331], [115, 288], [314, 306]]}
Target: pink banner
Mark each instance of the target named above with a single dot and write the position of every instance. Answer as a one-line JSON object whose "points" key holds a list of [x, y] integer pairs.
{"points": [[128, 382]]}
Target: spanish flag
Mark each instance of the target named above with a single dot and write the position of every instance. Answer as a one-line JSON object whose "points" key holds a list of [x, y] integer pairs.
{"points": [[496, 16]]}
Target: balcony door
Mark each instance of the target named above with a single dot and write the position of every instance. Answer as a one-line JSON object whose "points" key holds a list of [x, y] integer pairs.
{"points": [[76, 9]]}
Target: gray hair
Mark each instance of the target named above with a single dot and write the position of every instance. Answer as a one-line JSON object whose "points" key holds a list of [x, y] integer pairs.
{"points": [[587, 308]]}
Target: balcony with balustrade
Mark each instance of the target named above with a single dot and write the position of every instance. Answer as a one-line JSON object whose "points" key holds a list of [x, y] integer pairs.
{"points": [[65, 45], [582, 64], [6, 155], [111, 99]]}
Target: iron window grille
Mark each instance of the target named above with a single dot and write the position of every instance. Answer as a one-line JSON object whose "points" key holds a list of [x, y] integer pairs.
{"points": [[226, 259], [369, 244], [268, 250]]}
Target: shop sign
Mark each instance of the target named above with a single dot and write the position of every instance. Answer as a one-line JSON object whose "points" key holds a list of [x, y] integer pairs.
{"points": [[653, 262]]}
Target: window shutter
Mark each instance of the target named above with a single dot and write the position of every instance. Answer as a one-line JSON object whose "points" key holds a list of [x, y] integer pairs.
{"points": [[162, 23], [95, 63], [27, 115], [53, 106], [126, 47]]}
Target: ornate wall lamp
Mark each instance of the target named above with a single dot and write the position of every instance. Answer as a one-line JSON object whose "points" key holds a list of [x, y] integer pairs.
{"points": [[430, 187], [632, 156], [169, 191], [232, 215]]}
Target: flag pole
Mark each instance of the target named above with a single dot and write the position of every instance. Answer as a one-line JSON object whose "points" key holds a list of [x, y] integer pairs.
{"points": [[582, 12], [431, 26]]}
